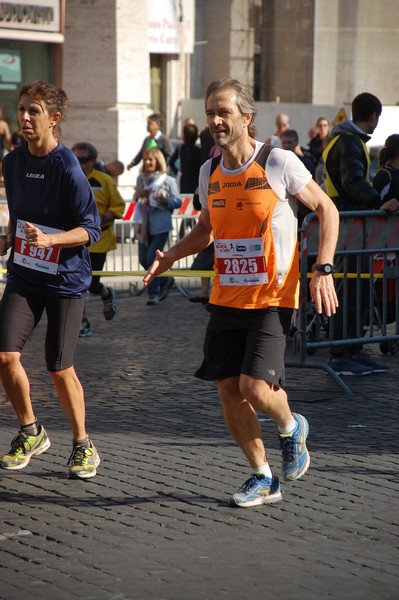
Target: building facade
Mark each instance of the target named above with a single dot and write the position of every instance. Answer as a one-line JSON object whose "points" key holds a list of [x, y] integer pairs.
{"points": [[120, 60]]}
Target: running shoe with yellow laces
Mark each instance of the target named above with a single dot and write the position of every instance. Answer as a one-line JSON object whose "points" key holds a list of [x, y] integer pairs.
{"points": [[23, 447], [83, 461]]}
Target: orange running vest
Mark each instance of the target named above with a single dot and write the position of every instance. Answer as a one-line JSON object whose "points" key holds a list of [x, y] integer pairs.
{"points": [[247, 240]]}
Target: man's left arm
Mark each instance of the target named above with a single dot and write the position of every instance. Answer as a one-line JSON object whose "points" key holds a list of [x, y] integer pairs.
{"points": [[321, 285], [116, 205]]}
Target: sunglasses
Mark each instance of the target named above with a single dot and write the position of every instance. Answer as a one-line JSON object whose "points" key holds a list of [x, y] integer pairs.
{"points": [[84, 159]]}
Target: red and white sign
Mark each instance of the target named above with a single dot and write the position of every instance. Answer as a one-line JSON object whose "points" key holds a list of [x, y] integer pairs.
{"points": [[130, 206], [187, 207]]}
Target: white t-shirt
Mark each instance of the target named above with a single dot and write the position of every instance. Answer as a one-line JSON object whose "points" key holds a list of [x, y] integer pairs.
{"points": [[286, 173]]}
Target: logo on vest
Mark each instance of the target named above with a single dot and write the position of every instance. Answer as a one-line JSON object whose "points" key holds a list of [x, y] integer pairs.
{"points": [[213, 188], [35, 175], [257, 183], [240, 205], [232, 184], [218, 203]]}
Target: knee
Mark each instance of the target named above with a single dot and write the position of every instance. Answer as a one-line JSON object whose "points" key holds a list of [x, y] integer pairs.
{"points": [[8, 359], [259, 393], [62, 375], [229, 394], [55, 375], [58, 376]]}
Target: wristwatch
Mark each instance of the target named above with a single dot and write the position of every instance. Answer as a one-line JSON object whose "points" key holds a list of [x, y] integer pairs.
{"points": [[325, 269]]}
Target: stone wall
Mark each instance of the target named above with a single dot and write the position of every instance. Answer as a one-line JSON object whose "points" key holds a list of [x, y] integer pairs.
{"points": [[106, 76]]}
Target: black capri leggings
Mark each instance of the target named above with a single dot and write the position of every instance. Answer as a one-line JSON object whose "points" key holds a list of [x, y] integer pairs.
{"points": [[97, 260], [20, 312]]}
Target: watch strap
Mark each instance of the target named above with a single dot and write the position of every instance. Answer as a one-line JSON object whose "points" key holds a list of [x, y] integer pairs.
{"points": [[325, 268]]}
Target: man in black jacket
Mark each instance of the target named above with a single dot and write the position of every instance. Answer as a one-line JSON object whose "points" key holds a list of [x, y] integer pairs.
{"points": [[347, 166]]}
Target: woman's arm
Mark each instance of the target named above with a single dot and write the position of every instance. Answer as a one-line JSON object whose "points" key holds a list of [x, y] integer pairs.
{"points": [[65, 239], [170, 196]]}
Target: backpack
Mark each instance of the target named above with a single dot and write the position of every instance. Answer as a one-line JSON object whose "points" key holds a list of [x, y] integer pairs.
{"points": [[261, 158]]}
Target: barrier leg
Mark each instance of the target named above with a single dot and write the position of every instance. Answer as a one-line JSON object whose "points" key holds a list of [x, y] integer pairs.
{"points": [[327, 369], [184, 291]]}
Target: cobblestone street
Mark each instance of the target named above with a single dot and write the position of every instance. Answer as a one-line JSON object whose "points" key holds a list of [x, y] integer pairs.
{"points": [[155, 524]]}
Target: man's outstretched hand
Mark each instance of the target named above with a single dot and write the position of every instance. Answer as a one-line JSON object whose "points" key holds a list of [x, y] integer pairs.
{"points": [[161, 264]]}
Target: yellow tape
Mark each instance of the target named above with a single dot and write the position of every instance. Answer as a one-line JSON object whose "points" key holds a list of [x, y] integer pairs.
{"points": [[354, 275], [210, 274], [171, 273]]}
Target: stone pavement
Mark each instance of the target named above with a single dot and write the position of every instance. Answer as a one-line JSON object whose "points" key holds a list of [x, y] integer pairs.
{"points": [[155, 524]]}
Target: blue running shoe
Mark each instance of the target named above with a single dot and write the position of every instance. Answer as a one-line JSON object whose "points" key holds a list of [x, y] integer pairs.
{"points": [[257, 490], [366, 361], [296, 459], [347, 365]]}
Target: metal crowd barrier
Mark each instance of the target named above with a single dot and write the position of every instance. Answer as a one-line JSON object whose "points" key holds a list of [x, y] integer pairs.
{"points": [[368, 241], [125, 258], [367, 256], [123, 262]]}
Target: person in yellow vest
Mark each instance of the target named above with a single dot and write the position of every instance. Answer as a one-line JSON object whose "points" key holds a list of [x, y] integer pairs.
{"points": [[347, 160], [111, 206], [348, 183], [249, 196]]}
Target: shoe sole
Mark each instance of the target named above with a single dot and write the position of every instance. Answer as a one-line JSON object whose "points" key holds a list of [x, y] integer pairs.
{"points": [[272, 499], [303, 471], [37, 452], [73, 475], [351, 374], [380, 370], [85, 335]]}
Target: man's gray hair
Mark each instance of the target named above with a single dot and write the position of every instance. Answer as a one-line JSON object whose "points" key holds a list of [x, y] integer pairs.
{"points": [[245, 101]]}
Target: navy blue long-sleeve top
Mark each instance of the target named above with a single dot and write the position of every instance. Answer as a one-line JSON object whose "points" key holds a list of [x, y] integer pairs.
{"points": [[54, 192]]}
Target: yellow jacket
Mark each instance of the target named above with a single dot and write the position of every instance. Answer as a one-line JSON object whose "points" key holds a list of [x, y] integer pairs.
{"points": [[108, 199]]}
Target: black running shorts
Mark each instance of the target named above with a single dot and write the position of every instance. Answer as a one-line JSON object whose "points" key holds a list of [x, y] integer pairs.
{"points": [[20, 312], [251, 342]]}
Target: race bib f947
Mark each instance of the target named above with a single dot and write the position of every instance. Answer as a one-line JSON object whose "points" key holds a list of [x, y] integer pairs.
{"points": [[40, 259], [241, 261]]}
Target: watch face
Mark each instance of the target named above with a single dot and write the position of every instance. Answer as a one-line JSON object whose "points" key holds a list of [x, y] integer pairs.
{"points": [[327, 269]]}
